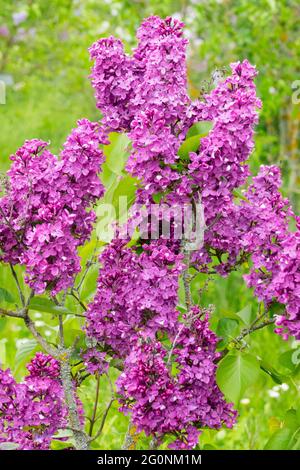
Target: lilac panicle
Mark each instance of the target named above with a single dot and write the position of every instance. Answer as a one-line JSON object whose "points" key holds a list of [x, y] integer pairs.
{"points": [[44, 213], [163, 402], [31, 412]]}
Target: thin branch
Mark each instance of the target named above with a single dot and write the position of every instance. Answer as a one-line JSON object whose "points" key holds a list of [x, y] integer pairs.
{"points": [[93, 418], [61, 331], [21, 295], [89, 264], [246, 332], [103, 420], [11, 228], [10, 313], [80, 437], [174, 344], [186, 279], [255, 327], [43, 343], [72, 293]]}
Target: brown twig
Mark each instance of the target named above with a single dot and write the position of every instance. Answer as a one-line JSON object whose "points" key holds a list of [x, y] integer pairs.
{"points": [[93, 418], [21, 295]]}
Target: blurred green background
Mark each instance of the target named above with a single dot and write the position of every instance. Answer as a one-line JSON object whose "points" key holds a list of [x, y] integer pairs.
{"points": [[45, 65]]}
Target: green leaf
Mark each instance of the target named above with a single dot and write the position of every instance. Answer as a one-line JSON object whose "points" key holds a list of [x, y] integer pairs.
{"points": [[3, 342], [273, 373], [189, 145], [193, 137], [6, 296], [116, 152], [25, 349], [239, 195], [276, 308], [61, 445], [246, 314], [125, 189], [200, 128], [226, 330], [280, 440], [287, 437], [41, 304], [235, 373]]}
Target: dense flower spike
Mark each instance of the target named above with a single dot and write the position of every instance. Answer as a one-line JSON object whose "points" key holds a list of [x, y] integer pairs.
{"points": [[43, 212], [163, 402], [113, 78], [31, 412], [134, 291], [275, 251], [145, 95]]}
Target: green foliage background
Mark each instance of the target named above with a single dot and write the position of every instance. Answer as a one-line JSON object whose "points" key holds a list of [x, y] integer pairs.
{"points": [[46, 61]]}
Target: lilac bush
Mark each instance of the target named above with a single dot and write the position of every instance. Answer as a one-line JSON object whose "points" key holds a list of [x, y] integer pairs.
{"points": [[166, 352]]}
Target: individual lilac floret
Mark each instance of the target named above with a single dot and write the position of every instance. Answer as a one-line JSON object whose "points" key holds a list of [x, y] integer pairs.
{"points": [[95, 361]]}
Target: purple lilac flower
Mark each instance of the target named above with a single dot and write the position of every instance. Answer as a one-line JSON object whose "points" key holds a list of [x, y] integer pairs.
{"points": [[32, 411], [166, 403], [45, 212]]}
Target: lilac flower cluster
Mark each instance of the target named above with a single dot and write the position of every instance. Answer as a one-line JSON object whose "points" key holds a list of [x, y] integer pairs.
{"points": [[146, 96], [134, 291], [275, 250], [31, 412], [43, 212], [178, 403], [218, 166], [258, 229]]}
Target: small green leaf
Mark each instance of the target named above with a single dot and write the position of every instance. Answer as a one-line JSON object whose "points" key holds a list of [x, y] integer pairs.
{"points": [[61, 445], [226, 330], [193, 138], [41, 304], [280, 440], [189, 145], [235, 373], [200, 128], [24, 349], [239, 195], [6, 296], [116, 152], [246, 314], [268, 369], [276, 308]]}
